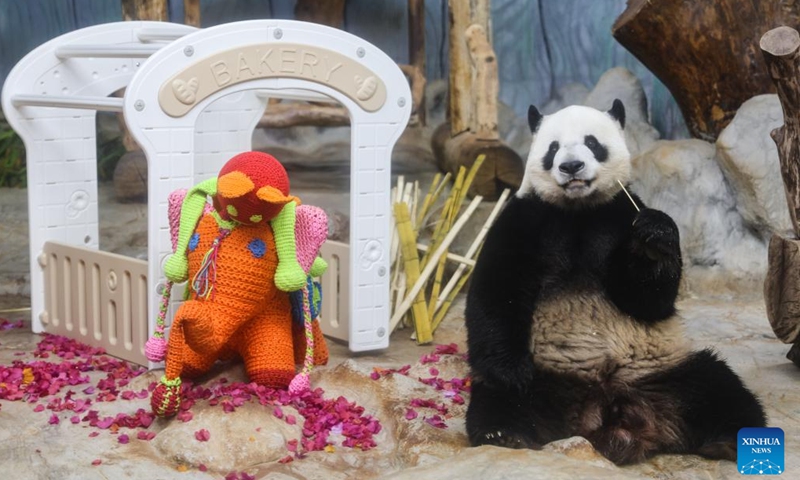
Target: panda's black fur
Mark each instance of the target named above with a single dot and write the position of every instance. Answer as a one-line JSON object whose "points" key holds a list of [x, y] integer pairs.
{"points": [[541, 260]]}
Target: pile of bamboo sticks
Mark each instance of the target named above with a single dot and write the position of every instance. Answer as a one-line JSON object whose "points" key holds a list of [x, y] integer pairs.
{"points": [[417, 296]]}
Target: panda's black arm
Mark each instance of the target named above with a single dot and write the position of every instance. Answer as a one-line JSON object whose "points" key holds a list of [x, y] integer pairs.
{"points": [[645, 269], [500, 301]]}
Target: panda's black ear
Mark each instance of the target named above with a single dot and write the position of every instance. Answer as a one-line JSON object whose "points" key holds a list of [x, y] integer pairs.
{"points": [[618, 112], [534, 118]]}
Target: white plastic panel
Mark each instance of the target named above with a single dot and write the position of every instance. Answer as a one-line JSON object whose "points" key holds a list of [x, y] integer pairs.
{"points": [[95, 297], [60, 142]]}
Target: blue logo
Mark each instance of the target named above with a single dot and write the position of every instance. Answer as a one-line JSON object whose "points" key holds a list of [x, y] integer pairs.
{"points": [[760, 451]]}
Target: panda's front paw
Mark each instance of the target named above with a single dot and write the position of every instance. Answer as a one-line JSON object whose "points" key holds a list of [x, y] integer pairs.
{"points": [[655, 235]]}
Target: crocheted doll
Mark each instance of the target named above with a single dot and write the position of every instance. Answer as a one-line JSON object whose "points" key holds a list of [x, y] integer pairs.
{"points": [[243, 258]]}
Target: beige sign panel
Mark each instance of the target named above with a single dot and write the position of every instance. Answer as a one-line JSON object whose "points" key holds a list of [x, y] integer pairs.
{"points": [[285, 60]]}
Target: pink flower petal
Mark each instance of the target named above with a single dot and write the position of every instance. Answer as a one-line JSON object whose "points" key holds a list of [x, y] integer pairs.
{"points": [[202, 435], [123, 439], [291, 420], [54, 420], [96, 462], [411, 414], [145, 435]]}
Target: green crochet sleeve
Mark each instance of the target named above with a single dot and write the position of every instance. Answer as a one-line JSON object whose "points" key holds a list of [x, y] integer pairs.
{"points": [[289, 276], [177, 267]]}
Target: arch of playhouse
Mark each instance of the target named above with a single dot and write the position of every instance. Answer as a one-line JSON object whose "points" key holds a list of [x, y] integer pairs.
{"points": [[193, 102]]}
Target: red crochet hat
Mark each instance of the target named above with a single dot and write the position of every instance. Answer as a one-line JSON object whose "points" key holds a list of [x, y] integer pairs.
{"points": [[252, 187]]}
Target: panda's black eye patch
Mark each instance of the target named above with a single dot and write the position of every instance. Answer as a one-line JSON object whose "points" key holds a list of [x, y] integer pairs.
{"points": [[599, 151], [547, 161]]}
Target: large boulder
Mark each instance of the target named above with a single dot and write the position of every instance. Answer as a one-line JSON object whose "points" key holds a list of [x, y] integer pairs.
{"points": [[749, 160], [620, 83], [681, 178], [130, 177]]}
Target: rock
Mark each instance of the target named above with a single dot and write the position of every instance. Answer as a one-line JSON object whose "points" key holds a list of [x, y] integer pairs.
{"points": [[130, 177], [749, 160], [580, 449], [620, 83], [252, 436], [720, 253], [566, 95], [489, 462]]}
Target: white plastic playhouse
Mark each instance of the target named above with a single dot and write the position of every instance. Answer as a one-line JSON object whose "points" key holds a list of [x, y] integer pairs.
{"points": [[192, 100]]}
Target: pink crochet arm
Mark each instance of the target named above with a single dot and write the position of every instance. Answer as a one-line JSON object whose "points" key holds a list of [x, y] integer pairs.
{"points": [[311, 230]]}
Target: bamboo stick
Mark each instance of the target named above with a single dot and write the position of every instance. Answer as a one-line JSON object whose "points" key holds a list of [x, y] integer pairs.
{"points": [[473, 248], [426, 203], [450, 256], [423, 277], [437, 284], [437, 319], [416, 298], [436, 194]]}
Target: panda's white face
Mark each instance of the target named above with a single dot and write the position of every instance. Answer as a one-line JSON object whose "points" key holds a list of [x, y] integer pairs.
{"points": [[577, 156]]}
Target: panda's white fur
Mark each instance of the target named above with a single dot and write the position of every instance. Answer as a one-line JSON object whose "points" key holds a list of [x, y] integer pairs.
{"points": [[569, 127], [585, 334]]}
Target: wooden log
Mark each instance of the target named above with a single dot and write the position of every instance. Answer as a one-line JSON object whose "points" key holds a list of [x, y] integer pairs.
{"points": [[781, 49], [191, 9], [485, 84], [782, 288], [416, 77], [290, 114], [502, 169], [704, 52], [460, 69], [416, 56], [155, 10], [329, 12]]}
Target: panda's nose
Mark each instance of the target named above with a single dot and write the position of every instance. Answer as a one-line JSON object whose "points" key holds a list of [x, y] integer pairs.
{"points": [[572, 167]]}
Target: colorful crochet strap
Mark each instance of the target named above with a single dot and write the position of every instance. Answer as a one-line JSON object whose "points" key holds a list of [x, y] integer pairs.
{"points": [[300, 383], [156, 347], [206, 276]]}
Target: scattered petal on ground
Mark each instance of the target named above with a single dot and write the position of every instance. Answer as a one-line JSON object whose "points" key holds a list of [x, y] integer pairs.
{"points": [[202, 435]]}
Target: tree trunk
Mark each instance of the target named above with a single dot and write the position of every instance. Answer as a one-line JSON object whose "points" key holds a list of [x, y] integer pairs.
{"points": [[191, 10], [155, 10], [290, 114], [781, 50], [782, 288], [328, 12], [485, 84], [416, 56], [705, 52], [460, 70]]}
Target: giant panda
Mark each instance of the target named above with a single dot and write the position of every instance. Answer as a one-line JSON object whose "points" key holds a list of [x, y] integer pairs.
{"points": [[571, 319]]}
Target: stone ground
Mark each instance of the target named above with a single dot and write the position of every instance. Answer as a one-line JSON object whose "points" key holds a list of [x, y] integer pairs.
{"points": [[252, 440], [406, 449]]}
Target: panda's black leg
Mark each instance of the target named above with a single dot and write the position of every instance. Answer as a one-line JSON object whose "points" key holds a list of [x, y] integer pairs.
{"points": [[714, 403], [698, 407], [527, 416]]}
